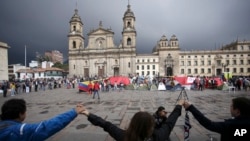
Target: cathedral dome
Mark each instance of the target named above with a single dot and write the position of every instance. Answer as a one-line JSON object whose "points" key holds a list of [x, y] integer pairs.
{"points": [[129, 12], [173, 38], [163, 38], [155, 49], [76, 17]]}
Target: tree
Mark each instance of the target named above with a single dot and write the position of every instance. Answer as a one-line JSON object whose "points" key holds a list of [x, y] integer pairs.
{"points": [[65, 67]]}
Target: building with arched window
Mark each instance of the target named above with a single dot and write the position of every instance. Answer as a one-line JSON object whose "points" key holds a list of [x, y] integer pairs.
{"points": [[101, 57]]}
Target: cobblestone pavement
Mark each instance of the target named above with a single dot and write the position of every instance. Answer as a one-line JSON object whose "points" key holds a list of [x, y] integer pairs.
{"points": [[119, 107]]}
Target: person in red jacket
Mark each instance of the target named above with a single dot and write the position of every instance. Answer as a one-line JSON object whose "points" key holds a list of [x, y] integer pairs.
{"points": [[96, 90]]}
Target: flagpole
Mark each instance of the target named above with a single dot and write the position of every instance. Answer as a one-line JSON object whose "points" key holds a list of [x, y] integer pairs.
{"points": [[25, 60]]}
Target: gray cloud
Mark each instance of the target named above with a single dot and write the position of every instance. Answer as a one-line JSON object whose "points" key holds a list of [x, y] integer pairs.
{"points": [[44, 25]]}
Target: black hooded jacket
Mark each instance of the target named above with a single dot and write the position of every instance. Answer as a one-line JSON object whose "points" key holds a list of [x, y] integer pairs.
{"points": [[161, 134]]}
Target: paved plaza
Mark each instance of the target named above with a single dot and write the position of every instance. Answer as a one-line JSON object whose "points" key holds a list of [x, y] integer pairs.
{"points": [[119, 107]]}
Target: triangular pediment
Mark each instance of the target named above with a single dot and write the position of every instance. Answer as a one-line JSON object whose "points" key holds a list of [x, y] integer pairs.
{"points": [[100, 31]]}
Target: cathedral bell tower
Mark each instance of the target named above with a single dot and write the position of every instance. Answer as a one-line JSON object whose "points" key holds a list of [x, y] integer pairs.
{"points": [[76, 39], [75, 43], [129, 32]]}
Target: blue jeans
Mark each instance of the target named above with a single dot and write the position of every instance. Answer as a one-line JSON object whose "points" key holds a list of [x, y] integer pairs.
{"points": [[96, 92]]}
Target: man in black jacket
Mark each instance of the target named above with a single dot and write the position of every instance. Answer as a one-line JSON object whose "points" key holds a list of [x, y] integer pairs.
{"points": [[160, 134], [5, 88], [160, 116], [236, 128]]}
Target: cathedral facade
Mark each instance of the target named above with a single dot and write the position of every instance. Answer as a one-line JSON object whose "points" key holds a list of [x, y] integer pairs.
{"points": [[101, 57]]}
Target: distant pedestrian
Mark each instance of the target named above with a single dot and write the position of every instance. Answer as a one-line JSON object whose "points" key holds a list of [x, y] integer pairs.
{"points": [[4, 88], [96, 90]]}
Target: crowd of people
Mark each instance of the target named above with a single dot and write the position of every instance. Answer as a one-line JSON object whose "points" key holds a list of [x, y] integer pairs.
{"points": [[142, 127], [13, 88]]}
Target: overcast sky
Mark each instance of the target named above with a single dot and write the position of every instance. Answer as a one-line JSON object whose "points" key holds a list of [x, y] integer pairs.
{"points": [[198, 24]]}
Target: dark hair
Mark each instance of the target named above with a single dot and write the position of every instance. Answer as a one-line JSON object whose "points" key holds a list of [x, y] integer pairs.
{"points": [[243, 105], [141, 127], [160, 108], [12, 108]]}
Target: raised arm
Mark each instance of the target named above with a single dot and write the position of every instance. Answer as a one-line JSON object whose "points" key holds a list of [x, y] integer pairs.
{"points": [[47, 128], [218, 127], [114, 131]]}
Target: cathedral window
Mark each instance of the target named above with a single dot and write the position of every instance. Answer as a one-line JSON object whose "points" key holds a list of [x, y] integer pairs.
{"points": [[195, 71], [202, 70], [74, 28], [182, 71], [202, 63], [209, 62], [142, 73], [242, 62], [209, 70], [128, 24], [128, 41], [182, 63], [148, 67], [74, 44], [234, 70], [234, 62]]}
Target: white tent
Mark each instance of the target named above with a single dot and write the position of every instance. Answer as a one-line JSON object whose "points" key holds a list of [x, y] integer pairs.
{"points": [[161, 87]]}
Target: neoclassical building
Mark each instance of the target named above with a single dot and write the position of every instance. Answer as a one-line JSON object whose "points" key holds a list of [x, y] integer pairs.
{"points": [[4, 61], [101, 57]]}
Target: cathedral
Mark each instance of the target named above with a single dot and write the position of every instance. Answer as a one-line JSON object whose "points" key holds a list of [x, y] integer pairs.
{"points": [[101, 57]]}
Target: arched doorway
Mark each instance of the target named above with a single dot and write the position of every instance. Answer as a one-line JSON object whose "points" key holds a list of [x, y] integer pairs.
{"points": [[169, 64], [116, 71], [218, 71], [169, 71]]}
